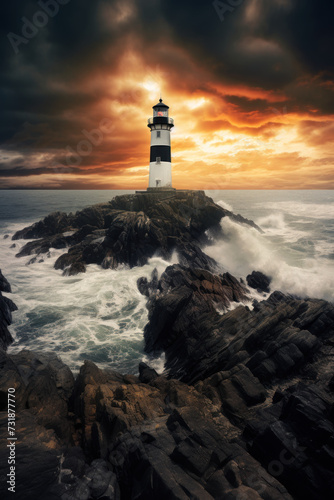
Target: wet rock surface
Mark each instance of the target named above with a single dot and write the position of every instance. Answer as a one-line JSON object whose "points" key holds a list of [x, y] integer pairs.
{"points": [[124, 437], [7, 306], [259, 281], [130, 230], [113, 436], [244, 409], [274, 339]]}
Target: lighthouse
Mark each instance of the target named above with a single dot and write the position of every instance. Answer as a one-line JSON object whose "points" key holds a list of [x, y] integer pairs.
{"points": [[160, 152]]}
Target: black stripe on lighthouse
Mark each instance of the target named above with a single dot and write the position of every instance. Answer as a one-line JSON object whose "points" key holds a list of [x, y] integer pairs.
{"points": [[162, 152]]}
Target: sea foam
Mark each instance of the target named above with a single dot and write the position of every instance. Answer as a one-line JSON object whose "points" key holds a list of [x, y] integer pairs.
{"points": [[293, 270]]}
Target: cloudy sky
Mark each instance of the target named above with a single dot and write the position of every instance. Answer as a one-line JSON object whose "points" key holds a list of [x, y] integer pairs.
{"points": [[250, 85]]}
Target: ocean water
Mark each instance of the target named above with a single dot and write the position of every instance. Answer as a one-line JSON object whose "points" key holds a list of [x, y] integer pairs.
{"points": [[100, 315]]}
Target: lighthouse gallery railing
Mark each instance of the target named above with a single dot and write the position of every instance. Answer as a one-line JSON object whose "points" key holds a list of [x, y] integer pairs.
{"points": [[169, 120]]}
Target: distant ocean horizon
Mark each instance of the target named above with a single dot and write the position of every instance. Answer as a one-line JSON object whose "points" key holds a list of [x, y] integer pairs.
{"points": [[100, 315]]}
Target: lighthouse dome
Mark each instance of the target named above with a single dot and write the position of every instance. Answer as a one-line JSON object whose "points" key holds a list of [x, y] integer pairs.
{"points": [[161, 105]]}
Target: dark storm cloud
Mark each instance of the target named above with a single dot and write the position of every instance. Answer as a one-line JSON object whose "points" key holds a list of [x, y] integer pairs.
{"points": [[281, 46], [263, 44], [70, 48]]}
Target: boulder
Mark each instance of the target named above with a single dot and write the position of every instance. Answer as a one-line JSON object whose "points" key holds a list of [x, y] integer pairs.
{"points": [[259, 281], [55, 223]]}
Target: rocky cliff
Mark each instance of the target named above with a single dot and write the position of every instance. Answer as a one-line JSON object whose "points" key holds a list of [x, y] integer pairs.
{"points": [[129, 230], [245, 408]]}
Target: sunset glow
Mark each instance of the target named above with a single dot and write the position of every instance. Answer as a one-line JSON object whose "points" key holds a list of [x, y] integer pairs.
{"points": [[251, 110]]}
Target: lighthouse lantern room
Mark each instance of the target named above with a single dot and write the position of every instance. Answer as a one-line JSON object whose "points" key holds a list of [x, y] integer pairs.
{"points": [[160, 153]]}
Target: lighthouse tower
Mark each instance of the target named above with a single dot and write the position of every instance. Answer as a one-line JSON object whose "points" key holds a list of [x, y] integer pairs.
{"points": [[160, 154]]}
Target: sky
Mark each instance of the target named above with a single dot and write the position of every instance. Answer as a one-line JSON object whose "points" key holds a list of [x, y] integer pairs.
{"points": [[249, 83]]}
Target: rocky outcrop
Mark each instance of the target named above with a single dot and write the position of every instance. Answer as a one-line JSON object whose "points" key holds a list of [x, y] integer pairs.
{"points": [[7, 306], [53, 224], [130, 230], [4, 284], [259, 281], [182, 300], [244, 409], [269, 369], [294, 440], [274, 339], [43, 426], [122, 438], [119, 437]]}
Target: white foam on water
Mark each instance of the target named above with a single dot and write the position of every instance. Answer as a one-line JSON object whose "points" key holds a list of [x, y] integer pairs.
{"points": [[98, 315], [245, 250], [225, 205], [274, 224], [304, 209], [157, 363]]}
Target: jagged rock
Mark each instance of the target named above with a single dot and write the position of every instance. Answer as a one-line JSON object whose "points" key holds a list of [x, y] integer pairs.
{"points": [[79, 481], [11, 306], [273, 340], [297, 444], [184, 296], [7, 306], [259, 281], [44, 245], [55, 223], [90, 216], [146, 374], [43, 384], [133, 228], [187, 456], [37, 457], [74, 269], [4, 284]]}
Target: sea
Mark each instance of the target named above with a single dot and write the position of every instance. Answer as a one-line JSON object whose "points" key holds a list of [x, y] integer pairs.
{"points": [[100, 315]]}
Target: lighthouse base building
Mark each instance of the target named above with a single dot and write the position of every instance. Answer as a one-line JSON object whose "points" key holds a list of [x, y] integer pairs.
{"points": [[160, 125]]}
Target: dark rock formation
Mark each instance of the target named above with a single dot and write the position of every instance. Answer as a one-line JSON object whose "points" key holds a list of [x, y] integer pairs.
{"points": [[164, 439], [259, 281], [273, 340], [53, 224], [4, 284], [43, 425], [294, 440], [120, 437], [130, 230], [244, 410], [7, 306], [185, 297]]}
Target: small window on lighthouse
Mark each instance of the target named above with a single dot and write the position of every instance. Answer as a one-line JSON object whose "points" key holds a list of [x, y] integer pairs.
{"points": [[158, 159], [158, 133]]}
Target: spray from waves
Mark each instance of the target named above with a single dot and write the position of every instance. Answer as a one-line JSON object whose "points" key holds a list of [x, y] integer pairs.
{"points": [[275, 224], [99, 315], [272, 221], [245, 250], [225, 205], [303, 209]]}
